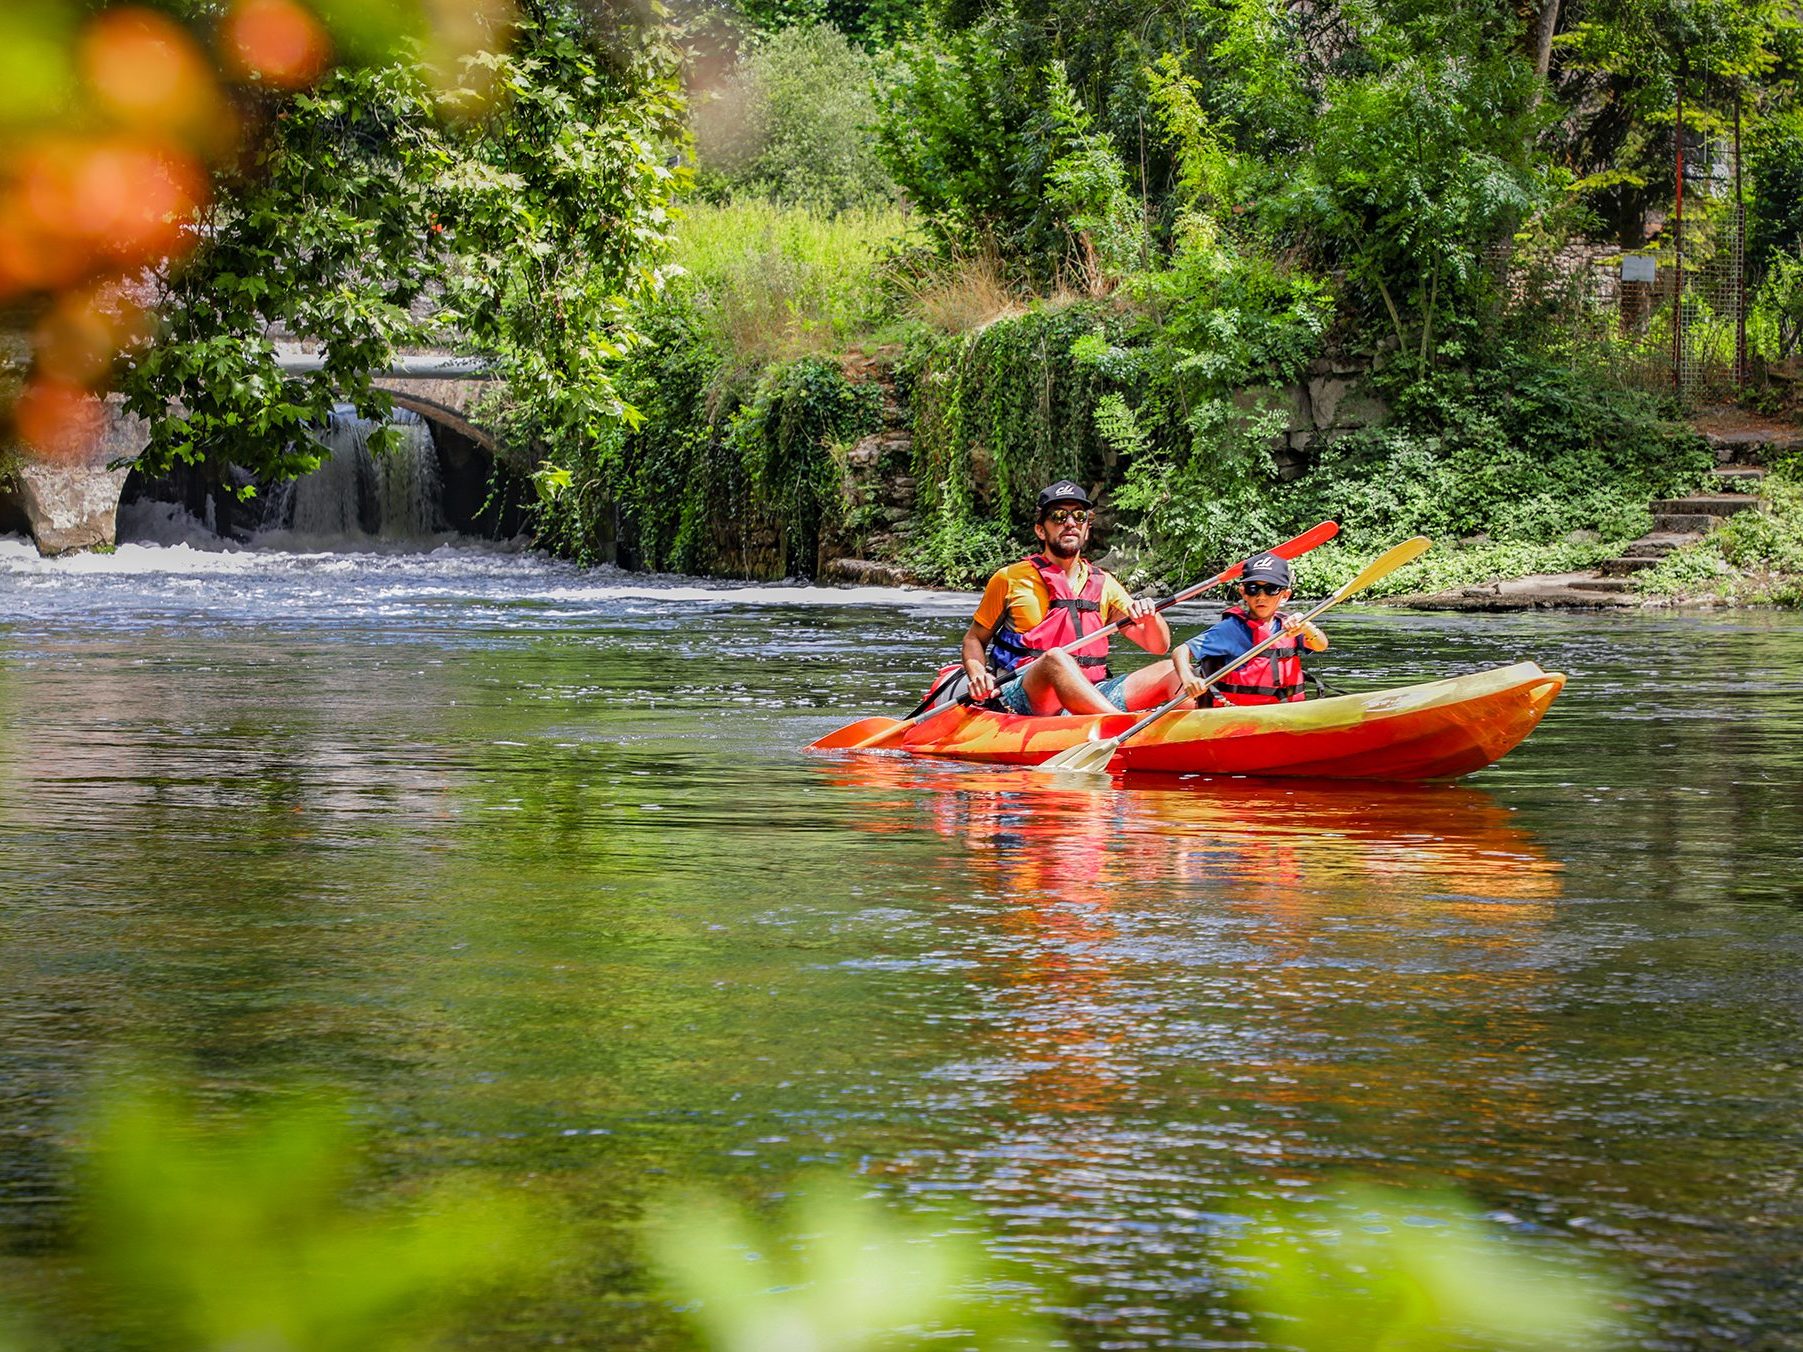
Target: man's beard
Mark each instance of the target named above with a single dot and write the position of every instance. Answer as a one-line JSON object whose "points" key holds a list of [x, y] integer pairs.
{"points": [[1056, 549]]}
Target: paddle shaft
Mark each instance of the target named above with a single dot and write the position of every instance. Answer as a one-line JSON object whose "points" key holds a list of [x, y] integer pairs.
{"points": [[1387, 563]]}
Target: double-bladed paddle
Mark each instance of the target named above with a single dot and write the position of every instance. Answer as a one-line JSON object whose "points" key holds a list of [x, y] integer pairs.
{"points": [[1093, 757], [870, 733]]}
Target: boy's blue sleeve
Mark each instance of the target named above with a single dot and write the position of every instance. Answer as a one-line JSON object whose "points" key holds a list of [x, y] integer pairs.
{"points": [[1224, 639]]}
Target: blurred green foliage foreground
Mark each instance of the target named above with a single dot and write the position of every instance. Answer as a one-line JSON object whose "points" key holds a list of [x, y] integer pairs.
{"points": [[259, 1231]]}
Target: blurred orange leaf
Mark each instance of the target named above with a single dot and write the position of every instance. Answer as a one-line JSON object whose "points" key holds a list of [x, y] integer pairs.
{"points": [[277, 42], [58, 421], [148, 72]]}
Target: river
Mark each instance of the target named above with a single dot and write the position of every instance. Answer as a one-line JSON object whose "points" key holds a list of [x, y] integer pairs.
{"points": [[528, 861]]}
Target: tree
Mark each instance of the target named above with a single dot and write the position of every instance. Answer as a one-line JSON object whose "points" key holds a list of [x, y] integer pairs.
{"points": [[515, 212], [792, 123]]}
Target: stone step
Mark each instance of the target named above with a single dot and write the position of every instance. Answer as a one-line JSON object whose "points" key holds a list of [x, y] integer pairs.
{"points": [[1603, 584], [1627, 565], [1684, 523], [1711, 504], [1658, 546], [1734, 477], [1753, 443]]}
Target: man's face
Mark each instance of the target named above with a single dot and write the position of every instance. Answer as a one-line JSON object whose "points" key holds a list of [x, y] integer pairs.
{"points": [[1063, 529], [1260, 602]]}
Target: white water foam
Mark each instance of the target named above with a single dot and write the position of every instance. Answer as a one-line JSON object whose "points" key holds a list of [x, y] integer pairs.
{"points": [[467, 580]]}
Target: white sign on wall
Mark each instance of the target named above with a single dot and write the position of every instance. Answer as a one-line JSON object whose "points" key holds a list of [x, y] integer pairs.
{"points": [[1639, 268]]}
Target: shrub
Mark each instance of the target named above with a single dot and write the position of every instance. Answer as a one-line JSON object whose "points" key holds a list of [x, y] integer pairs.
{"points": [[1754, 558], [792, 123], [1526, 452], [788, 436]]}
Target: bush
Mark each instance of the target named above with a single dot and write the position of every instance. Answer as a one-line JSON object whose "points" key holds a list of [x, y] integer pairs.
{"points": [[788, 436], [1523, 453], [1448, 566], [792, 124], [733, 471]]}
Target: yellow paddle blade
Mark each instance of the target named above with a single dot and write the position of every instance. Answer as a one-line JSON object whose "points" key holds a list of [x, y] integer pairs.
{"points": [[1085, 758], [853, 735]]}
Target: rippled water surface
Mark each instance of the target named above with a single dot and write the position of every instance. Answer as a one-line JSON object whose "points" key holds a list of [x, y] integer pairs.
{"points": [[528, 861]]}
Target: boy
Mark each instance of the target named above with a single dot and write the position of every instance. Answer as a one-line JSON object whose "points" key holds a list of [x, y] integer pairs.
{"points": [[1275, 675]]}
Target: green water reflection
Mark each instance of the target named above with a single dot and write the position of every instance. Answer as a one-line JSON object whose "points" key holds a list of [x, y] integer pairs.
{"points": [[559, 902]]}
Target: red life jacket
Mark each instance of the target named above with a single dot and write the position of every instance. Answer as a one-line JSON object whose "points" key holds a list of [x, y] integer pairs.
{"points": [[1069, 615], [1274, 676]]}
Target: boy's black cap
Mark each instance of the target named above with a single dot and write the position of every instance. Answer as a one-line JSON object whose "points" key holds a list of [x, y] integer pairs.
{"points": [[1267, 568], [1062, 491]]}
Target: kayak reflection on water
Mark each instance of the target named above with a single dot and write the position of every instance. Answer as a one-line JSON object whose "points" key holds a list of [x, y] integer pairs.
{"points": [[1447, 844], [1219, 931]]}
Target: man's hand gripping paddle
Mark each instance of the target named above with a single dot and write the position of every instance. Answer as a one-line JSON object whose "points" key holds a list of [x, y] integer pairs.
{"points": [[1094, 757], [869, 734]]}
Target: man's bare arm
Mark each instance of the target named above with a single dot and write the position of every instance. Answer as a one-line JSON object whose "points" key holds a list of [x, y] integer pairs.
{"points": [[976, 661]]}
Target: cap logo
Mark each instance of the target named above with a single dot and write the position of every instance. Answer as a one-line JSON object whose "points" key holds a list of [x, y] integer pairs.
{"points": [[1265, 561]]}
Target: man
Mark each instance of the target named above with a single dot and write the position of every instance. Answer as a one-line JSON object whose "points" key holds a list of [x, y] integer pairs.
{"points": [[1045, 601], [1275, 675]]}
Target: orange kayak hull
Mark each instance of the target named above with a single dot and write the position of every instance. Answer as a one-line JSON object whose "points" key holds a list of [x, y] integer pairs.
{"points": [[1437, 730]]}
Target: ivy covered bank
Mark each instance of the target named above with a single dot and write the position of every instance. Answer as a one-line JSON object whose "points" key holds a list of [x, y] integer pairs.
{"points": [[778, 283], [1241, 270]]}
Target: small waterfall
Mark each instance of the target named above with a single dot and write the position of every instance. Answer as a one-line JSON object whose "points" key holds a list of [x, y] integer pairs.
{"points": [[396, 496]]}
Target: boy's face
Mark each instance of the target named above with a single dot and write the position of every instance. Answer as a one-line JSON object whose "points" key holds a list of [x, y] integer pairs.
{"points": [[1260, 602]]}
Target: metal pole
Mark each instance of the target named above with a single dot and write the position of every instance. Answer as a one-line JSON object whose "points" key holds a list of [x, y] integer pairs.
{"points": [[1740, 261], [1678, 244]]}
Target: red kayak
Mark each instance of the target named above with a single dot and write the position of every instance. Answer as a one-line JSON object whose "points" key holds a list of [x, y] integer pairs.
{"points": [[1438, 730]]}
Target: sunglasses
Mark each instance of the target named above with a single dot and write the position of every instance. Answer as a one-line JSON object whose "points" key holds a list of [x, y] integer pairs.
{"points": [[1059, 515], [1262, 588]]}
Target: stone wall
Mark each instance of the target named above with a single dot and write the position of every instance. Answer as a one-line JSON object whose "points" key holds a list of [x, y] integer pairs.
{"points": [[1326, 404], [880, 493]]}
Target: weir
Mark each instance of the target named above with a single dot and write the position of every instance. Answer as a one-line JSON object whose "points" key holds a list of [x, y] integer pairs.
{"points": [[398, 495], [430, 488]]}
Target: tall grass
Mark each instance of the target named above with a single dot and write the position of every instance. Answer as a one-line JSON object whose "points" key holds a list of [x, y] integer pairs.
{"points": [[779, 282]]}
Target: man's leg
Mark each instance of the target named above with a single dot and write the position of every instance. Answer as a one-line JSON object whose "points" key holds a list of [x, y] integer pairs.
{"points": [[1057, 682]]}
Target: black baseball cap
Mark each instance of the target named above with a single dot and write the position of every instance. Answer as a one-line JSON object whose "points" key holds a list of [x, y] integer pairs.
{"points": [[1267, 568], [1062, 491]]}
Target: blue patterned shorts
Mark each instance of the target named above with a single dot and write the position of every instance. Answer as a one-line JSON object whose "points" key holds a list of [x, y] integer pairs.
{"points": [[1014, 694]]}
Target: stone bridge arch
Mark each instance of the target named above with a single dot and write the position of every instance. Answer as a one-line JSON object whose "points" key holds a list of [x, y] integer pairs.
{"points": [[72, 503], [466, 449]]}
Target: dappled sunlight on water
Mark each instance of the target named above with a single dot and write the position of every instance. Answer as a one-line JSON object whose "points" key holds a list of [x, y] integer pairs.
{"points": [[530, 862]]}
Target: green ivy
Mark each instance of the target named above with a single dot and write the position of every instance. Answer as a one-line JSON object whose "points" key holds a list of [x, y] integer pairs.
{"points": [[730, 473], [789, 437], [997, 413]]}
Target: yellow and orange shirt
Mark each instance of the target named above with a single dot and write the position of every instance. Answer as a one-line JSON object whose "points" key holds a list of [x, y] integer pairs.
{"points": [[1018, 592]]}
